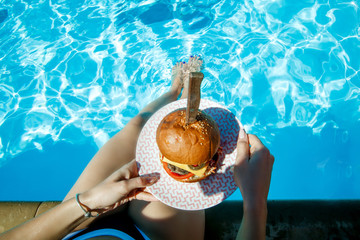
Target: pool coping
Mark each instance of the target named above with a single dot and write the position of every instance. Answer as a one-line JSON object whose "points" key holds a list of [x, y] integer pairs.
{"points": [[290, 219]]}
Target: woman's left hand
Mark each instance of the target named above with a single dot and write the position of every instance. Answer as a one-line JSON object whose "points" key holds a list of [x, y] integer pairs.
{"points": [[120, 187]]}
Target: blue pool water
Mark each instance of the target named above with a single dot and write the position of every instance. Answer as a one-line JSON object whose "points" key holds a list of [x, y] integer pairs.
{"points": [[73, 72]]}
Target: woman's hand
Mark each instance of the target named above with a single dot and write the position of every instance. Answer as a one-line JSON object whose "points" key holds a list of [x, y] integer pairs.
{"points": [[120, 187], [252, 174], [252, 170]]}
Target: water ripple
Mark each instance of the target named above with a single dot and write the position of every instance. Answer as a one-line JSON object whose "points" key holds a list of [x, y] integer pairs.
{"points": [[71, 70]]}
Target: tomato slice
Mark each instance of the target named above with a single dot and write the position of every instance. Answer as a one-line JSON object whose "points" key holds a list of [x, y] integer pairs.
{"points": [[175, 175]]}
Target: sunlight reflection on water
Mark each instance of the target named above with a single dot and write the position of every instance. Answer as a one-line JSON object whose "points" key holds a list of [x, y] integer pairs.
{"points": [[92, 65]]}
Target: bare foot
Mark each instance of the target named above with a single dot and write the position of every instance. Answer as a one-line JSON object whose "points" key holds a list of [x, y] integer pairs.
{"points": [[194, 65], [177, 77]]}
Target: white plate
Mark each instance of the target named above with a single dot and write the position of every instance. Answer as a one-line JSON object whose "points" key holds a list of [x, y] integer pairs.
{"points": [[190, 196]]}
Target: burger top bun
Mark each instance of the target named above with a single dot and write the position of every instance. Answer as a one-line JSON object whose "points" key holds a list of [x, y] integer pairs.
{"points": [[190, 144]]}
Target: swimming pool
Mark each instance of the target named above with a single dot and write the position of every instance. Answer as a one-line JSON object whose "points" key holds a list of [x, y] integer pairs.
{"points": [[72, 73]]}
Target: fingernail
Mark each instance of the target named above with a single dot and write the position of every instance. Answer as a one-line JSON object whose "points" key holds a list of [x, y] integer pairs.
{"points": [[151, 180], [242, 133]]}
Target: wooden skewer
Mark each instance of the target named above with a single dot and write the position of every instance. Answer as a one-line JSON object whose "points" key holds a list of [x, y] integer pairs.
{"points": [[193, 100]]}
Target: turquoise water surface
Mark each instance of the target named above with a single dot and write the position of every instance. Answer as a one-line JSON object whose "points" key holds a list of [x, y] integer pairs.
{"points": [[72, 74]]}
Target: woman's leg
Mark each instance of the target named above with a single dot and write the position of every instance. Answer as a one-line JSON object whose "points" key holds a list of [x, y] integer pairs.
{"points": [[120, 149], [160, 221]]}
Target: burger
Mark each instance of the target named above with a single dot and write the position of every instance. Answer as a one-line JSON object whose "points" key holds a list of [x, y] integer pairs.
{"points": [[188, 152]]}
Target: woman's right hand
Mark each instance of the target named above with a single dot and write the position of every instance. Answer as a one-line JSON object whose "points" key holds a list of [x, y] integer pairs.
{"points": [[252, 170], [122, 186]]}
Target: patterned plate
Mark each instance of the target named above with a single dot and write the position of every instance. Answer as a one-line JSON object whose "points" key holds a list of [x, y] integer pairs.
{"points": [[191, 196]]}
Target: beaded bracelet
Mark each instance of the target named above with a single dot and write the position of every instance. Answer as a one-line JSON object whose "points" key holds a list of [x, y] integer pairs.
{"points": [[85, 208]]}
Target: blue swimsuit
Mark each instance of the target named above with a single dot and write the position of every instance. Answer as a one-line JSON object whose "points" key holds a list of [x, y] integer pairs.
{"points": [[116, 225], [103, 232]]}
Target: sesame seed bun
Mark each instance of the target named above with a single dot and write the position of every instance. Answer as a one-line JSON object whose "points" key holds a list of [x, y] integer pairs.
{"points": [[191, 144]]}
